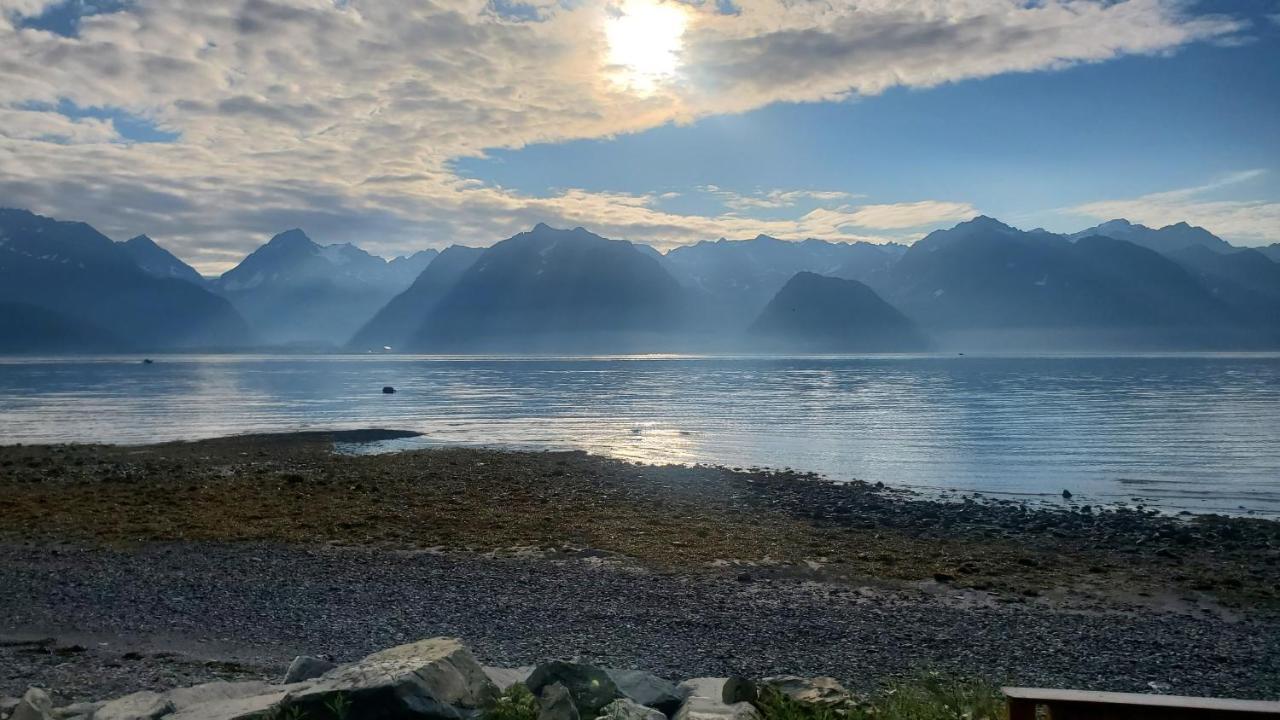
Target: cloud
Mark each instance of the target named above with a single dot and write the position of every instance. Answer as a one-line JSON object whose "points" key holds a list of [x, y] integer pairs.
{"points": [[344, 116], [772, 199], [1249, 222]]}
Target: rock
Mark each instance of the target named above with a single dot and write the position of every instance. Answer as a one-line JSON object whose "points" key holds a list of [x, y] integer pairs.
{"points": [[624, 709], [647, 689], [221, 691], [247, 708], [388, 390], [306, 667], [815, 691], [1066, 494], [591, 687], [34, 705], [506, 677], [704, 701], [434, 678], [556, 703], [144, 705], [739, 689], [82, 709]]}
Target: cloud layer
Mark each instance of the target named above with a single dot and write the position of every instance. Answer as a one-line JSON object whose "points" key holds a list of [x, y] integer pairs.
{"points": [[343, 116]]}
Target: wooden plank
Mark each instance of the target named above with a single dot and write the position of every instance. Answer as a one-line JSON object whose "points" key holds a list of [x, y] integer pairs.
{"points": [[1082, 704]]}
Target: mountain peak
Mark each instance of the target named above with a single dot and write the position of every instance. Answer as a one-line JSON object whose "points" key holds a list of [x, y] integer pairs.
{"points": [[291, 238]]}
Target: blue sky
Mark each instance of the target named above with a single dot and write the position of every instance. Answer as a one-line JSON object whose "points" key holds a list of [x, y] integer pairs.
{"points": [[1026, 147], [401, 125]]}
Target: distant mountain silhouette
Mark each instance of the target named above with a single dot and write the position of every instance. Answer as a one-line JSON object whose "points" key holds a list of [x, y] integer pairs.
{"points": [[813, 313], [986, 283], [1170, 238], [1272, 252], [95, 293], [1245, 279], [732, 280], [293, 291], [158, 262], [558, 291], [397, 322], [31, 329]]}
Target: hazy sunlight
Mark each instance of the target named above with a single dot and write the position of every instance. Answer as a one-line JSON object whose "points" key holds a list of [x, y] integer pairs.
{"points": [[645, 40]]}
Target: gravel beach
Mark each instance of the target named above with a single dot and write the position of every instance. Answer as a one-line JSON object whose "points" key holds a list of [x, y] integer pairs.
{"points": [[123, 568]]}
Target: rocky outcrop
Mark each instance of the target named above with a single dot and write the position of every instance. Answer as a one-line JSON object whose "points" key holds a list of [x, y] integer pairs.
{"points": [[439, 679]]}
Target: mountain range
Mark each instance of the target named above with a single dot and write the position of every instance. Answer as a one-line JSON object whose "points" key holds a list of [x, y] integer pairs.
{"points": [[979, 286]]}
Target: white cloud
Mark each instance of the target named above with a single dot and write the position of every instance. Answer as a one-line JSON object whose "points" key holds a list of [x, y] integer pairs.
{"points": [[1249, 222], [343, 117]]}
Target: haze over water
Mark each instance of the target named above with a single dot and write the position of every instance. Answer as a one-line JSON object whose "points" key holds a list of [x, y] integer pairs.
{"points": [[1196, 432]]}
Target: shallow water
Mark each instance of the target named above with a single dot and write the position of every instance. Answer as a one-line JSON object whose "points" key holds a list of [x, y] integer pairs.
{"points": [[1195, 432]]}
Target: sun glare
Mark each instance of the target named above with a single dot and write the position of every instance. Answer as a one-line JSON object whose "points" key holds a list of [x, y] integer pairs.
{"points": [[645, 39]]}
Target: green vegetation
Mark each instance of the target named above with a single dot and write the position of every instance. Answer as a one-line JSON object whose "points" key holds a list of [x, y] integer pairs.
{"points": [[516, 703]]}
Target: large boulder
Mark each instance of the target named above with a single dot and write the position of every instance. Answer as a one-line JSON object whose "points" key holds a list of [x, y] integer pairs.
{"points": [[590, 686], [435, 678], [220, 691], [77, 710], [555, 702], [624, 709], [307, 667], [704, 701], [647, 689], [34, 705], [144, 705], [812, 691], [254, 707]]}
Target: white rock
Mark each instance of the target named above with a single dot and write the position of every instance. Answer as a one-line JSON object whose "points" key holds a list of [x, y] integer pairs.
{"points": [[145, 705], [703, 702]]}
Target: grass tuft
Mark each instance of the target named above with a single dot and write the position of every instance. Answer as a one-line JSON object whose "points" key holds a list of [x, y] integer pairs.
{"points": [[515, 703]]}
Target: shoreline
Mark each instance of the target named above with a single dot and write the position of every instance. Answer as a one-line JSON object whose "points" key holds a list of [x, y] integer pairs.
{"points": [[278, 545]]}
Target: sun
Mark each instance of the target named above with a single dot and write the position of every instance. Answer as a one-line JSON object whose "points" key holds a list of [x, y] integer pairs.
{"points": [[645, 38]]}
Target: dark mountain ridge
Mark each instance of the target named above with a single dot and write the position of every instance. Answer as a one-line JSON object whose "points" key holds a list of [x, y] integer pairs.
{"points": [[815, 313], [80, 280]]}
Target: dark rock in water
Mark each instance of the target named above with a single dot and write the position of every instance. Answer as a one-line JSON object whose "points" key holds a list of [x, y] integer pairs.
{"points": [[555, 703], [1066, 494], [388, 390], [147, 361], [306, 667], [591, 687], [647, 689], [739, 689]]}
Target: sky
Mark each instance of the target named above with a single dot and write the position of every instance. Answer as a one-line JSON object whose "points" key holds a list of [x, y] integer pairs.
{"points": [[402, 125]]}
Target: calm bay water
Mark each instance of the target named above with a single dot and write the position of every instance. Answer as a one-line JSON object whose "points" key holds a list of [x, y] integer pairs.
{"points": [[1181, 432]]}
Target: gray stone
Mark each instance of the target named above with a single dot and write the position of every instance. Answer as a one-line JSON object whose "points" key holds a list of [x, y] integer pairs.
{"points": [[7, 705], [624, 709], [739, 689], [506, 677], [245, 708], [219, 691], [435, 678], [77, 710], [34, 705], [704, 701], [590, 686], [556, 703], [814, 691], [647, 689], [144, 705], [307, 667]]}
